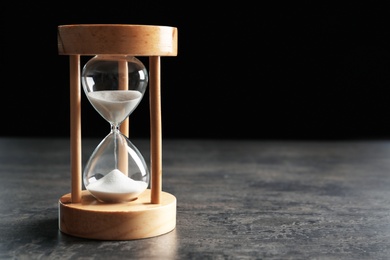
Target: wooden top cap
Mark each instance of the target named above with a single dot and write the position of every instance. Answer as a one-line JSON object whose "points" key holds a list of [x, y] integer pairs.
{"points": [[125, 39]]}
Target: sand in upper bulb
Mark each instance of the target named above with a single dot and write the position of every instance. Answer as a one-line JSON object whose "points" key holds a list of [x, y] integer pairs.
{"points": [[115, 106]]}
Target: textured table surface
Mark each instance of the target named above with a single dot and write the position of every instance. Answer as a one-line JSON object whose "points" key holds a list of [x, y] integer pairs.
{"points": [[235, 200]]}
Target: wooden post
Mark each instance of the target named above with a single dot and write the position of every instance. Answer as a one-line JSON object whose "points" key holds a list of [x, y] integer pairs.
{"points": [[75, 127], [124, 127], [124, 85], [155, 129]]}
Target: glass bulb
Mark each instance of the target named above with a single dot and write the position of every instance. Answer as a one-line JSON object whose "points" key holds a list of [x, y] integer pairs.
{"points": [[115, 85]]}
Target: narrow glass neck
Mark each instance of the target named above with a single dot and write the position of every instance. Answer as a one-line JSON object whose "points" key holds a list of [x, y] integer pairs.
{"points": [[115, 128]]}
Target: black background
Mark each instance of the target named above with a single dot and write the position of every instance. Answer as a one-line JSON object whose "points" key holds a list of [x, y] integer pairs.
{"points": [[265, 71]]}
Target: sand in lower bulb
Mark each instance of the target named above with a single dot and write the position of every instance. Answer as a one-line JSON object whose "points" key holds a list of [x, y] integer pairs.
{"points": [[116, 187]]}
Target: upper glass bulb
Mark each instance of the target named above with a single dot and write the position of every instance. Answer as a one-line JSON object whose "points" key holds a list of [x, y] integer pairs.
{"points": [[114, 85]]}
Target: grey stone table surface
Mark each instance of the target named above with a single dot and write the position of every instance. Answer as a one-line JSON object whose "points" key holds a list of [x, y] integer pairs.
{"points": [[236, 199]]}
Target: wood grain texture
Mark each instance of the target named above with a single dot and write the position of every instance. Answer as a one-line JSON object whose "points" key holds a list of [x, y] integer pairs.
{"points": [[117, 221], [126, 39]]}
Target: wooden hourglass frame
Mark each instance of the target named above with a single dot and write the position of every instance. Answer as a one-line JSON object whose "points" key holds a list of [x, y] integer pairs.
{"points": [[153, 213]]}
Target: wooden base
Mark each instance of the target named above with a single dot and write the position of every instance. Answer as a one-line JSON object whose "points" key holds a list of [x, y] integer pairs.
{"points": [[120, 221]]}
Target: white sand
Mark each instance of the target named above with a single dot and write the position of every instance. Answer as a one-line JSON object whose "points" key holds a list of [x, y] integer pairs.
{"points": [[116, 186], [115, 105]]}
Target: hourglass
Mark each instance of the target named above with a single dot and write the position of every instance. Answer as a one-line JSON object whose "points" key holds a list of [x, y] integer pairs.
{"points": [[116, 203]]}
